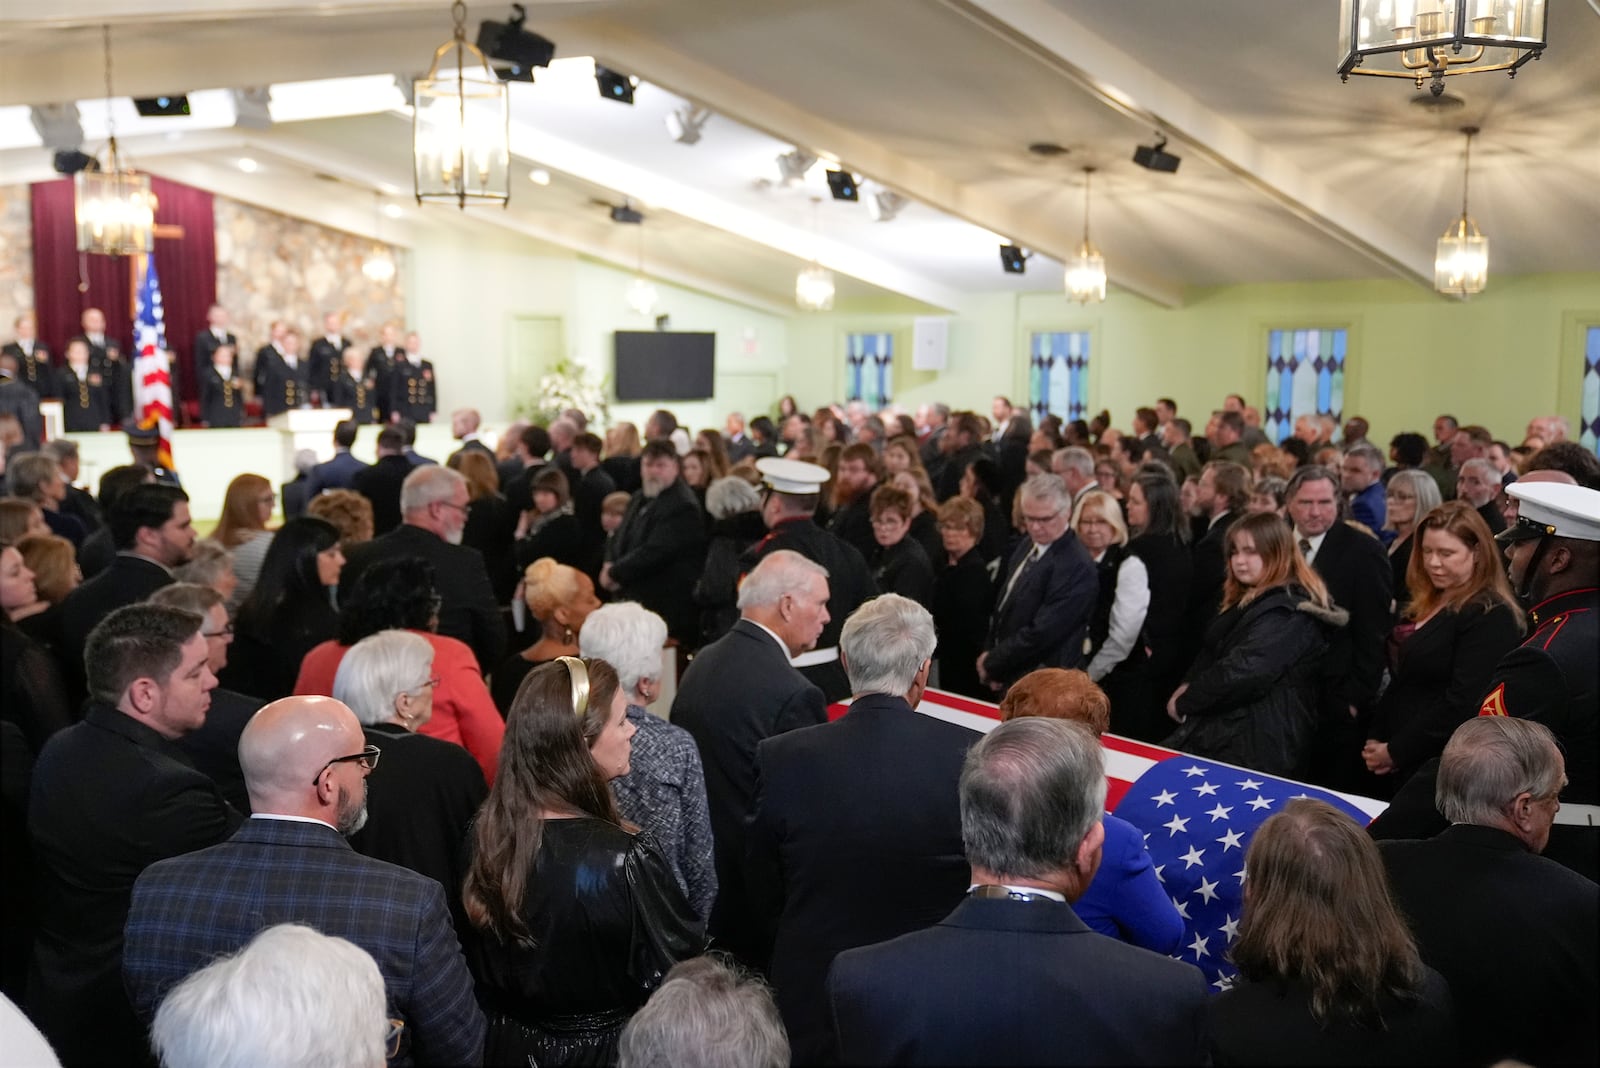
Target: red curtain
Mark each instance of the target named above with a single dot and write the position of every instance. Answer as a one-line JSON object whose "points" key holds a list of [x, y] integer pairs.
{"points": [[187, 267]]}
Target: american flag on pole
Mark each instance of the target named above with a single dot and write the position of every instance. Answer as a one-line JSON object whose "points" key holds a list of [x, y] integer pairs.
{"points": [[1197, 817], [152, 374]]}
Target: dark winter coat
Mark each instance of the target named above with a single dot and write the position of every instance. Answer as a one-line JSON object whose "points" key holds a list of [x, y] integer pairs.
{"points": [[717, 591], [1252, 695]]}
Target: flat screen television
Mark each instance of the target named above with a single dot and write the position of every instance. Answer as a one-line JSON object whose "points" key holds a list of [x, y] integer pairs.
{"points": [[658, 365]]}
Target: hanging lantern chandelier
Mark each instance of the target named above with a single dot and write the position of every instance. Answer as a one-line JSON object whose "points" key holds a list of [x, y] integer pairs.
{"points": [[1086, 271], [642, 294], [813, 286], [1427, 40], [461, 133], [1461, 261], [114, 209]]}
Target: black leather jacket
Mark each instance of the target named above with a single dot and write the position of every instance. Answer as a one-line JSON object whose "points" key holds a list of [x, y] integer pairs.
{"points": [[608, 921]]}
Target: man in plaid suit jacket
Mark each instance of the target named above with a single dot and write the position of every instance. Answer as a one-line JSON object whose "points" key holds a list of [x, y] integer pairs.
{"points": [[305, 763]]}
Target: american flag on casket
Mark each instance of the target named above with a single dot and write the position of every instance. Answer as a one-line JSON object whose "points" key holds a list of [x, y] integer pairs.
{"points": [[1197, 817]]}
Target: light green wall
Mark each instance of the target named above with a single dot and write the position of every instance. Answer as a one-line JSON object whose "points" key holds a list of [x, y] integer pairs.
{"points": [[1500, 358], [474, 286]]}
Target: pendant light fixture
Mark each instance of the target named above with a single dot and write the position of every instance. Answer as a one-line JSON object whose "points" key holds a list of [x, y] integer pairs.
{"points": [[1086, 272], [642, 295], [1461, 262], [1427, 41], [379, 265], [813, 286], [460, 132], [114, 209]]}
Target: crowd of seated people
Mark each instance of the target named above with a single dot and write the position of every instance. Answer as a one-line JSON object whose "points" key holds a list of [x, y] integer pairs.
{"points": [[456, 669]]}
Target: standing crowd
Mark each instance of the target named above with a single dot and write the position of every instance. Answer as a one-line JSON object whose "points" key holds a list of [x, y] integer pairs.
{"points": [[382, 782]]}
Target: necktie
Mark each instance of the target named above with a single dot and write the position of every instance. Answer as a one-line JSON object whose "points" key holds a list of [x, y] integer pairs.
{"points": [[1016, 576], [1305, 549]]}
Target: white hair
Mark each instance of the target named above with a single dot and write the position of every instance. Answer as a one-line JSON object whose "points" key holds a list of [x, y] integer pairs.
{"points": [[291, 998], [1048, 489], [731, 495], [779, 572], [709, 1014], [1074, 458], [305, 460], [428, 484], [627, 636], [885, 643], [1491, 760], [377, 669]]}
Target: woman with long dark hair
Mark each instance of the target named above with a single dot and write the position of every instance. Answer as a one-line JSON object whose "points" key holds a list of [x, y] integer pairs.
{"points": [[289, 612], [1329, 973], [1462, 618], [981, 482], [572, 919], [1251, 696]]}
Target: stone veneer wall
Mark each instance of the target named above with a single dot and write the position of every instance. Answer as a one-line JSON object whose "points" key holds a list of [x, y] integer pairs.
{"points": [[16, 256], [272, 266]]}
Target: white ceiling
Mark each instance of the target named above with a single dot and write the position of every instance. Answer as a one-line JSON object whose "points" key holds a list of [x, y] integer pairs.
{"points": [[1287, 174]]}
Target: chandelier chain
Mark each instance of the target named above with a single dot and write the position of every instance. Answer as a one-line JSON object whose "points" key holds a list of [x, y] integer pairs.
{"points": [[111, 115]]}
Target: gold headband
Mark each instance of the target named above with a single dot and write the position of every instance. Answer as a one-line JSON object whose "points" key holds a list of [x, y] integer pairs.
{"points": [[578, 672]]}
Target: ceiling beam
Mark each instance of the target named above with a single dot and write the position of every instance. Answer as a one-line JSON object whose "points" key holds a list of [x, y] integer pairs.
{"points": [[1130, 87], [788, 120]]}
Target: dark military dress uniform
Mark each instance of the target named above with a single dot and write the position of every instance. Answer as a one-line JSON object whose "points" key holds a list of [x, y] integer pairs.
{"points": [[360, 395], [111, 365], [377, 369], [221, 401], [34, 370], [327, 365], [1554, 678], [282, 387], [411, 390], [849, 586], [86, 401]]}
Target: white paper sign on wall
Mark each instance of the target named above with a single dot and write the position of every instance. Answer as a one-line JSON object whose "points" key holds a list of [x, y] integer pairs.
{"points": [[930, 337]]}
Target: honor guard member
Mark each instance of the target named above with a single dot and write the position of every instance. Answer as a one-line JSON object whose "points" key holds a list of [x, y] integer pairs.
{"points": [[1554, 554], [33, 358], [283, 378], [221, 395], [788, 505], [354, 390], [327, 357], [379, 365], [208, 341], [105, 359], [85, 395], [411, 385], [18, 400], [144, 442]]}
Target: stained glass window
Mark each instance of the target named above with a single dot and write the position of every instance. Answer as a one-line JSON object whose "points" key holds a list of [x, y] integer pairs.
{"points": [[869, 370], [1058, 375], [1305, 376], [1589, 423]]}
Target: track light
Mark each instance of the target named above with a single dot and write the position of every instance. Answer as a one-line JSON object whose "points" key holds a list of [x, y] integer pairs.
{"points": [[685, 123], [885, 204], [517, 49], [626, 213], [842, 184], [1014, 259], [1155, 157], [152, 107], [793, 165], [614, 85]]}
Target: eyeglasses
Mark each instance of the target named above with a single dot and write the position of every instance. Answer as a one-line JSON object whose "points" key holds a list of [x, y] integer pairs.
{"points": [[1039, 520], [367, 758], [429, 683], [452, 504], [225, 632], [1400, 496], [392, 1038]]}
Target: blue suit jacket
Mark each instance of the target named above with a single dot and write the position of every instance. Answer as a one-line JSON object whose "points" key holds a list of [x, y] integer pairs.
{"points": [[1126, 900], [1012, 982], [192, 909], [337, 473]]}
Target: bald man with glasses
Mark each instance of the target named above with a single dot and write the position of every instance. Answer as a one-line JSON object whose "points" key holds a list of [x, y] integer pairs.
{"points": [[306, 763]]}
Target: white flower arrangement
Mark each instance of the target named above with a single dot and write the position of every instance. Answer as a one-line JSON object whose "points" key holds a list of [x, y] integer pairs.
{"points": [[569, 385]]}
